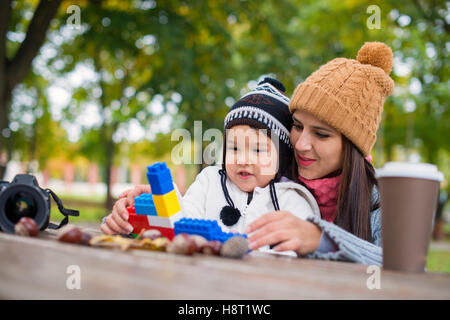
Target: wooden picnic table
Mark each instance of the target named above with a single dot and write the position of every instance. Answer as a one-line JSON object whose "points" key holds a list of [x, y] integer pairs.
{"points": [[37, 268]]}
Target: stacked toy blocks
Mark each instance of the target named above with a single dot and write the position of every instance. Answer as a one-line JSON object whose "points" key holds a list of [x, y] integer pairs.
{"points": [[208, 229], [159, 209], [164, 195], [138, 221], [144, 205]]}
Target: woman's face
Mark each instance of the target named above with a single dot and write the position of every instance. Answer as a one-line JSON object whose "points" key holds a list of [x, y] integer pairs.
{"points": [[251, 159], [317, 146]]}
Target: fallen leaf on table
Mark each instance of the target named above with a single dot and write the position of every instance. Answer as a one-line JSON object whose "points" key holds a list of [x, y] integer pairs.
{"points": [[111, 242]]}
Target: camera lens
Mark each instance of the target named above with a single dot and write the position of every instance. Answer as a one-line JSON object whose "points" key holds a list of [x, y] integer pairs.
{"points": [[21, 204], [20, 200]]}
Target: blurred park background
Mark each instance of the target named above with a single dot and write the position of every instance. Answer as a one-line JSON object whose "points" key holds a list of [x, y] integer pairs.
{"points": [[90, 91]]}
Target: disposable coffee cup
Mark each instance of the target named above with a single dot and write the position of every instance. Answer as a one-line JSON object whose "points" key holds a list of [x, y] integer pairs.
{"points": [[408, 195]]}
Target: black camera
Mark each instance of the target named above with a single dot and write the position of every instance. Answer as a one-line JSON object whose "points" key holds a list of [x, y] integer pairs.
{"points": [[24, 198]]}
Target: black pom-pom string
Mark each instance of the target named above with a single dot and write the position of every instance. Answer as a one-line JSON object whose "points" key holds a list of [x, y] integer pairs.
{"points": [[229, 215]]}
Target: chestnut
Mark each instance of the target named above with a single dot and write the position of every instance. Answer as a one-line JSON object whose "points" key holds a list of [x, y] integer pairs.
{"points": [[151, 234], [182, 244], [26, 227], [70, 234], [199, 240], [211, 248], [235, 247], [85, 239]]}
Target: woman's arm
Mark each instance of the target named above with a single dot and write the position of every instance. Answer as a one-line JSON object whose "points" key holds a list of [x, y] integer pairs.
{"points": [[292, 233], [350, 247]]}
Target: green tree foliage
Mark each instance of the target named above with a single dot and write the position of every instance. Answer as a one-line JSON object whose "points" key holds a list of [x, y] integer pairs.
{"points": [[197, 57], [23, 26]]}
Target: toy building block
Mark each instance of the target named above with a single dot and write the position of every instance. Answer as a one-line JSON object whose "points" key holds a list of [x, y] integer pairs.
{"points": [[161, 209], [160, 179], [208, 229], [164, 222], [224, 236], [165, 232], [131, 210], [138, 222], [144, 205], [167, 205], [205, 228]]}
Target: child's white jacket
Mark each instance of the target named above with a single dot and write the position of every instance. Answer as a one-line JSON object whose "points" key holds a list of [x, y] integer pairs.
{"points": [[205, 199]]}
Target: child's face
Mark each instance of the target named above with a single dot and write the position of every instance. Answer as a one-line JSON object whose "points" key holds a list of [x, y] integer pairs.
{"points": [[251, 158]]}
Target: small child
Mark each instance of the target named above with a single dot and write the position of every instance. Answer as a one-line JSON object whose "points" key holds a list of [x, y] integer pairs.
{"points": [[251, 181]]}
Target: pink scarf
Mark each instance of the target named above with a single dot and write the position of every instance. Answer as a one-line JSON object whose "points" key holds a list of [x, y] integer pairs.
{"points": [[325, 192]]}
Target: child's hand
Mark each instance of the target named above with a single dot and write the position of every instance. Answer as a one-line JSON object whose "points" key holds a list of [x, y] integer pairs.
{"points": [[117, 221], [133, 193]]}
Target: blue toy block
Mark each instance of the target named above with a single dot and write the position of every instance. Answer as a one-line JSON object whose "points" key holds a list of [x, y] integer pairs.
{"points": [[225, 236], [208, 229], [205, 228], [160, 179], [144, 205]]}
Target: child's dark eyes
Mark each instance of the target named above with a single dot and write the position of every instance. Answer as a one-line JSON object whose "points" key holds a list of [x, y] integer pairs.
{"points": [[259, 150], [254, 150]]}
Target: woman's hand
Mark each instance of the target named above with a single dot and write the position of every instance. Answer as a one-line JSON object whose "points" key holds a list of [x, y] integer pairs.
{"points": [[117, 221], [285, 230]]}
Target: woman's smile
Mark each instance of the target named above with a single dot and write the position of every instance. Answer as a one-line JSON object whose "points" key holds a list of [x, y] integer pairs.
{"points": [[304, 161]]}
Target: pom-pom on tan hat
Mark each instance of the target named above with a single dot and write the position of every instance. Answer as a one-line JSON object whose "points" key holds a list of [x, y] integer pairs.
{"points": [[349, 94]]}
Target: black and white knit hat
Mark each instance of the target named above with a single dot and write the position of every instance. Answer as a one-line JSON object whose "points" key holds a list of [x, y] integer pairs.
{"points": [[265, 107]]}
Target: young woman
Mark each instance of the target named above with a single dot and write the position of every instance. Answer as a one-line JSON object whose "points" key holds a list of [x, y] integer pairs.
{"points": [[336, 113]]}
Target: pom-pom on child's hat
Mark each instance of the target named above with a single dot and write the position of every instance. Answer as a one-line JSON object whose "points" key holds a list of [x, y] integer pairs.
{"points": [[349, 94]]}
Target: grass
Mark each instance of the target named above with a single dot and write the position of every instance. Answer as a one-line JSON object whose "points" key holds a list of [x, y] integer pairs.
{"points": [[447, 229], [74, 197], [438, 261], [91, 209], [86, 215]]}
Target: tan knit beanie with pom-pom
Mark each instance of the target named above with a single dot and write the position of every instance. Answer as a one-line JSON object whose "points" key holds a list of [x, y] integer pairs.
{"points": [[349, 94]]}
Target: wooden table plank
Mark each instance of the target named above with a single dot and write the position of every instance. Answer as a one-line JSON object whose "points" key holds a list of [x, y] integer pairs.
{"points": [[35, 268]]}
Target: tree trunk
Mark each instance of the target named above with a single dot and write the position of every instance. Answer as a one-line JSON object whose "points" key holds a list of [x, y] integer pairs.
{"points": [[107, 131], [13, 71], [5, 133], [109, 153], [5, 12]]}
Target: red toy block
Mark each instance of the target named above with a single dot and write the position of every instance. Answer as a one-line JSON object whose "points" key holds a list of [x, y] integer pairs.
{"points": [[165, 232], [140, 222], [131, 210]]}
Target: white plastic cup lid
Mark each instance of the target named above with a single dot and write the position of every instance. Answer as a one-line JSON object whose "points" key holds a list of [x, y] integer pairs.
{"points": [[410, 170]]}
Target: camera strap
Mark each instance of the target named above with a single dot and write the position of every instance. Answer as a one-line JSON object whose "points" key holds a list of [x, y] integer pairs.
{"points": [[66, 212]]}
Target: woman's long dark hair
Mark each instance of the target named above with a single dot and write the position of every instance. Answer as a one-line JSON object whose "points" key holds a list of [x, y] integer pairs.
{"points": [[355, 202]]}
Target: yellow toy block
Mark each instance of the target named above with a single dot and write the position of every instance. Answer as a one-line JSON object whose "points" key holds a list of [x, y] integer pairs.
{"points": [[167, 204]]}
